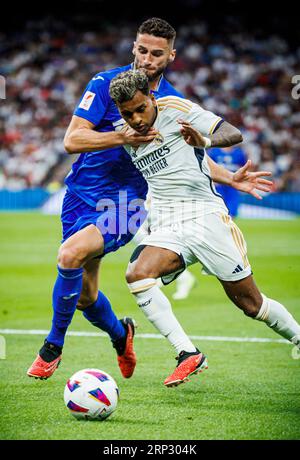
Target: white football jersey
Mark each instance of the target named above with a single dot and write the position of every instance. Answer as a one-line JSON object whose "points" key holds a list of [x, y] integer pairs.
{"points": [[178, 174]]}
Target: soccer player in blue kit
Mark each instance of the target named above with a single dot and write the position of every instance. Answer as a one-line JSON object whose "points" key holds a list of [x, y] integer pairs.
{"points": [[102, 171], [232, 158]]}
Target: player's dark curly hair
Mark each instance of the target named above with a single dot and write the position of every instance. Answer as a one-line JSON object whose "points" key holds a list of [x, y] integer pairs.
{"points": [[157, 27], [124, 86]]}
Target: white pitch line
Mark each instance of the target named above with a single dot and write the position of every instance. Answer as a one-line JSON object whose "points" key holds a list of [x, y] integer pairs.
{"points": [[209, 338]]}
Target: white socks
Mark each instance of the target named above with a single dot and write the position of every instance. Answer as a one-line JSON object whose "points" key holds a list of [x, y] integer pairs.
{"points": [[279, 319], [158, 310]]}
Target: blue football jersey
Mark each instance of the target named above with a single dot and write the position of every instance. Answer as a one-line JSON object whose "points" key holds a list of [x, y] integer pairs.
{"points": [[103, 174], [231, 159]]}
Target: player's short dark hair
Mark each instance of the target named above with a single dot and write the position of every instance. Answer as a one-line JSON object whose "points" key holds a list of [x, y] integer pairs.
{"points": [[124, 86], [157, 27]]}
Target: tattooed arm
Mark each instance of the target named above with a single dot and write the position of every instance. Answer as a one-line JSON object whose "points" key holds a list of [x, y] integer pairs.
{"points": [[225, 136]]}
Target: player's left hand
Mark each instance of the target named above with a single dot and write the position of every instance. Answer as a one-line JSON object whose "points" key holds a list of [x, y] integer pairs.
{"points": [[190, 134], [248, 182]]}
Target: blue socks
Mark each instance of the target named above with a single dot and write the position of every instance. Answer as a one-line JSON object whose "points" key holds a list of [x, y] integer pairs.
{"points": [[66, 293], [101, 315]]}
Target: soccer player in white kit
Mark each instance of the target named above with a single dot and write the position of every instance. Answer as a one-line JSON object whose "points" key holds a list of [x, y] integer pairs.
{"points": [[189, 221]]}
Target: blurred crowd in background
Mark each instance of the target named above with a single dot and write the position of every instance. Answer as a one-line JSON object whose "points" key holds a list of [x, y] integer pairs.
{"points": [[243, 78]]}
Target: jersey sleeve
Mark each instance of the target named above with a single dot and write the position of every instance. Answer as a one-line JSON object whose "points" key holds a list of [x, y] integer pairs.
{"points": [[94, 101], [204, 121]]}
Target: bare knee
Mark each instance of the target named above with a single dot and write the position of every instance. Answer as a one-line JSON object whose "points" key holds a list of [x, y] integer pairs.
{"points": [[136, 272], [70, 257]]}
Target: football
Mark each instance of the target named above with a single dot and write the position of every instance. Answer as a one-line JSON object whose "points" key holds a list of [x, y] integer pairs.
{"points": [[91, 394]]}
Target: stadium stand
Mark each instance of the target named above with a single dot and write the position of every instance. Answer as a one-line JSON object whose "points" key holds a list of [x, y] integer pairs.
{"points": [[244, 78]]}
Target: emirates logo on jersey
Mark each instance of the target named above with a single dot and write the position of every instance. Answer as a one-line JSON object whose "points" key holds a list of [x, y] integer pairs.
{"points": [[158, 139]]}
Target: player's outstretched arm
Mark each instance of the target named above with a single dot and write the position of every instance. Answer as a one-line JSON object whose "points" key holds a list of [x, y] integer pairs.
{"points": [[243, 179], [81, 137]]}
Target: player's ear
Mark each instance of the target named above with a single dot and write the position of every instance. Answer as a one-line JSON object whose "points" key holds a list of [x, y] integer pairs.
{"points": [[134, 48], [172, 56]]}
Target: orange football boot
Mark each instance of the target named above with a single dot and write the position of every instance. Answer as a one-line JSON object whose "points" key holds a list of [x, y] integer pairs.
{"points": [[188, 364], [124, 347], [43, 367]]}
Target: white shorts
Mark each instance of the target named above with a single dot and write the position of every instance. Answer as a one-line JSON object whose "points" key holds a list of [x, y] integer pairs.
{"points": [[214, 240]]}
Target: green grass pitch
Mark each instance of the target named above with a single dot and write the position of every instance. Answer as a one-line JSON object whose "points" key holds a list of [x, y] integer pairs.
{"points": [[250, 391]]}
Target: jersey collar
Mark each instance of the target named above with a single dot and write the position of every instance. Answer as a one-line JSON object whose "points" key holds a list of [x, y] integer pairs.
{"points": [[158, 83]]}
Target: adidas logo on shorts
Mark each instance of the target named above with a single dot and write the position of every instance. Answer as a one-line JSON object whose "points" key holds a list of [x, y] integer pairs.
{"points": [[237, 269]]}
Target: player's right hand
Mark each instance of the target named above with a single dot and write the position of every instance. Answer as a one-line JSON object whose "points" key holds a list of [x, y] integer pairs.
{"points": [[133, 138]]}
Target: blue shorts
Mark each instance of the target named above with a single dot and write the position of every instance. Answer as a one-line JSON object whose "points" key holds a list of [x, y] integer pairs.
{"points": [[117, 224]]}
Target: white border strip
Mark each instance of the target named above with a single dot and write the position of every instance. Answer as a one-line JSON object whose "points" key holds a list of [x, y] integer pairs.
{"points": [[209, 338]]}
